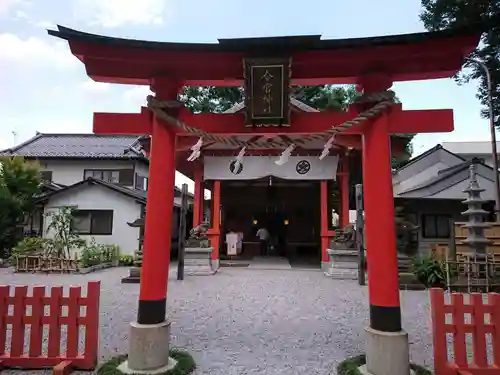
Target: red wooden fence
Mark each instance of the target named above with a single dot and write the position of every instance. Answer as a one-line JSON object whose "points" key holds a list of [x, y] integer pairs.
{"points": [[478, 319], [53, 312]]}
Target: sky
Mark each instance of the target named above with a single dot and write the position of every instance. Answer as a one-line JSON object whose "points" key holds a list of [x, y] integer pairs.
{"points": [[44, 88]]}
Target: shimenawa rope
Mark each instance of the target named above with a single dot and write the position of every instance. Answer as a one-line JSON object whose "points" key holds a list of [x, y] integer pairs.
{"points": [[382, 101]]}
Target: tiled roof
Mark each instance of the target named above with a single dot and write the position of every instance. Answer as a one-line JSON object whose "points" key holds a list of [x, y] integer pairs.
{"points": [[78, 146], [445, 174], [139, 195]]}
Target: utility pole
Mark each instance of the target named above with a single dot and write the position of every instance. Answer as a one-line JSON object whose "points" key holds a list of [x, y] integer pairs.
{"points": [[494, 152], [182, 232]]}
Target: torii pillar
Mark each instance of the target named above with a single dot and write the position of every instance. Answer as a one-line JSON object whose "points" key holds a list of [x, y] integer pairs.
{"points": [[149, 340], [387, 348]]}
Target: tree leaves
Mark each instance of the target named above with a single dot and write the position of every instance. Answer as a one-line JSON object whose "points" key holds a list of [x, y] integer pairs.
{"points": [[19, 183], [485, 14]]}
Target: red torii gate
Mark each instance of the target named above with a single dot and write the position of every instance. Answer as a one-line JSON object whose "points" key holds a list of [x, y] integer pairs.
{"points": [[374, 64]]}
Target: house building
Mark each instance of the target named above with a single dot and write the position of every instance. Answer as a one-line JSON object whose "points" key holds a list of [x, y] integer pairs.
{"points": [[105, 178], [468, 150], [429, 188]]}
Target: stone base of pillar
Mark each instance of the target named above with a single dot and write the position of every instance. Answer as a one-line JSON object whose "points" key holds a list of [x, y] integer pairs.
{"points": [[325, 266], [198, 262], [149, 348], [387, 353], [343, 264], [408, 281], [134, 276], [215, 264]]}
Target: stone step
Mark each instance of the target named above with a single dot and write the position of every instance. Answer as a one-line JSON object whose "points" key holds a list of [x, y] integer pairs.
{"points": [[342, 274]]}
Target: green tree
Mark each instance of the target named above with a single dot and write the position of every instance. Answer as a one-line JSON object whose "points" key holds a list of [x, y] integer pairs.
{"points": [[481, 14], [213, 99], [19, 184]]}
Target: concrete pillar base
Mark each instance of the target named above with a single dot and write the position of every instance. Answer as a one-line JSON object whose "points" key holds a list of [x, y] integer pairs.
{"points": [[149, 348], [325, 266], [387, 353], [125, 368], [215, 264]]}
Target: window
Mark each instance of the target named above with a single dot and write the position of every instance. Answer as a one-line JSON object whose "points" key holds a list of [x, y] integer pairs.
{"points": [[115, 176], [436, 226], [46, 176], [93, 222], [141, 182]]}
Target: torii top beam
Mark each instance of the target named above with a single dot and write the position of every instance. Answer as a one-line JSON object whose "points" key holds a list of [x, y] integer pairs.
{"points": [[417, 56]]}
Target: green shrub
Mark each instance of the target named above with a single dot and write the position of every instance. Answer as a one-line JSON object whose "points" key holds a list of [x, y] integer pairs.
{"points": [[95, 253], [429, 271], [351, 366], [29, 246], [126, 260]]}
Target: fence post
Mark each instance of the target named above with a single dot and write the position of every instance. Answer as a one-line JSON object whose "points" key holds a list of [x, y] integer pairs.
{"points": [[479, 333], [56, 293], [458, 320], [4, 308], [438, 331], [18, 326], [494, 300], [92, 326], [37, 312]]}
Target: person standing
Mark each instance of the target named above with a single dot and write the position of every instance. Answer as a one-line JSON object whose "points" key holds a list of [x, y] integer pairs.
{"points": [[263, 235]]}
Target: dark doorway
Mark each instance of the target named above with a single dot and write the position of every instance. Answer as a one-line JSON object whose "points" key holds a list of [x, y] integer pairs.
{"points": [[290, 210]]}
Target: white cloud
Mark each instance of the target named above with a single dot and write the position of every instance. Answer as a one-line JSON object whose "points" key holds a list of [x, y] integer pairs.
{"points": [[64, 126], [116, 13], [21, 14], [44, 24], [94, 87], [3, 143], [137, 95], [35, 51], [7, 5]]}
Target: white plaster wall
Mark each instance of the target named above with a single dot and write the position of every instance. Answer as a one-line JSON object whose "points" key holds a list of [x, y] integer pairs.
{"points": [[142, 169], [69, 172], [97, 197]]}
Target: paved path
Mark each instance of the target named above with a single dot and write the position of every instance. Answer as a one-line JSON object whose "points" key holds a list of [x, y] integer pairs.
{"points": [[245, 321], [270, 263]]}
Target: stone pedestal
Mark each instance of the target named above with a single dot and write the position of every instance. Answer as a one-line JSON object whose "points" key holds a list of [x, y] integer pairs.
{"points": [[343, 264], [407, 279], [197, 261], [405, 263], [134, 276], [149, 348], [387, 353]]}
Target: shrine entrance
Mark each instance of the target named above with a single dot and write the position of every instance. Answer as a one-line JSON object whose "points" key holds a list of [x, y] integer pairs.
{"points": [[273, 125], [289, 210]]}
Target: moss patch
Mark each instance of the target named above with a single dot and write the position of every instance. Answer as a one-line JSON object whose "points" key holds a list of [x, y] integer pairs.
{"points": [[185, 364], [350, 366]]}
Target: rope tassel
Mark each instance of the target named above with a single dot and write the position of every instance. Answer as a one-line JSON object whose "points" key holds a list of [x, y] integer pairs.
{"points": [[327, 147], [239, 158], [285, 155], [196, 150]]}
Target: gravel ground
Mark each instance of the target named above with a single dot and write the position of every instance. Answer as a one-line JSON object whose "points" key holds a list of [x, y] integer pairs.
{"points": [[244, 321]]}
